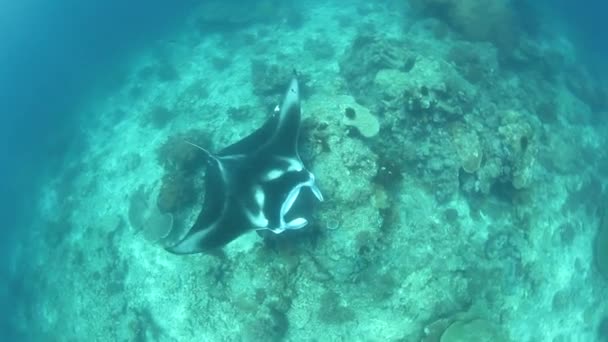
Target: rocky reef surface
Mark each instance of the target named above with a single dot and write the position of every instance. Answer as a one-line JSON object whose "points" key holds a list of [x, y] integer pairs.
{"points": [[462, 158]]}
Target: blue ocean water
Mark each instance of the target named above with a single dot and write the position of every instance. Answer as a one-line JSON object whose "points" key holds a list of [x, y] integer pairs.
{"points": [[54, 57], [583, 25], [474, 165]]}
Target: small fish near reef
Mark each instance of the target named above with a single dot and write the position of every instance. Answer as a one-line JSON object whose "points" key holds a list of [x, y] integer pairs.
{"points": [[257, 183]]}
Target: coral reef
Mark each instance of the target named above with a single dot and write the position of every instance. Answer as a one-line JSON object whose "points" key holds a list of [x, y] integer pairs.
{"points": [[475, 19], [463, 181], [166, 72], [333, 311], [508, 155], [432, 93], [163, 70], [432, 160], [159, 116], [221, 62], [269, 80], [320, 49], [361, 119], [146, 218], [143, 327], [222, 16], [602, 330], [469, 63], [272, 326], [601, 246], [369, 53], [477, 330], [177, 192], [181, 162], [464, 326], [176, 155], [587, 89], [517, 136], [240, 113], [468, 147]]}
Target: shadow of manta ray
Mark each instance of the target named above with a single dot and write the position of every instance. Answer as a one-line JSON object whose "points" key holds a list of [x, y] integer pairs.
{"points": [[255, 183]]}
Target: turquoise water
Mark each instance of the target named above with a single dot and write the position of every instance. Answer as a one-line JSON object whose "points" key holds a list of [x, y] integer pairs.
{"points": [[459, 147]]}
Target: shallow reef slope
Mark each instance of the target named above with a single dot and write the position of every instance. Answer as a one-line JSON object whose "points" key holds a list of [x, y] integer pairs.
{"points": [[464, 180]]}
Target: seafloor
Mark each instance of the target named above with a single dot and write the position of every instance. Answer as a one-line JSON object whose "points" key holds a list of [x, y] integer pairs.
{"points": [[464, 197]]}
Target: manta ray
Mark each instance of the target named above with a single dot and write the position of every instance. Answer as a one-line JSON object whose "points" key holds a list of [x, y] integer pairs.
{"points": [[257, 183]]}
